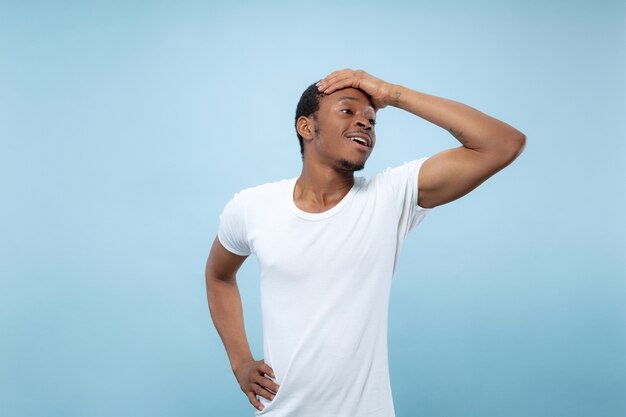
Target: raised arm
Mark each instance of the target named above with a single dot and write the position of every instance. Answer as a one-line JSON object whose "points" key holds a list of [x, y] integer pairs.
{"points": [[487, 144], [227, 314]]}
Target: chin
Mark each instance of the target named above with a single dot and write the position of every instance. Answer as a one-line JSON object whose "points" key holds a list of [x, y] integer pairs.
{"points": [[351, 165]]}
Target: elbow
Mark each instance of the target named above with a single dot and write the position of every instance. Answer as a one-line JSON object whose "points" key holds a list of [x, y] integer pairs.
{"points": [[515, 145], [519, 143]]}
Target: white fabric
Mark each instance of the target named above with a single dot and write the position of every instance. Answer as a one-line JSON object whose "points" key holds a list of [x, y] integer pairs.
{"points": [[325, 282]]}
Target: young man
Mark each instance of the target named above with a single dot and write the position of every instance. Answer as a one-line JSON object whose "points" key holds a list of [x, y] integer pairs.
{"points": [[327, 244]]}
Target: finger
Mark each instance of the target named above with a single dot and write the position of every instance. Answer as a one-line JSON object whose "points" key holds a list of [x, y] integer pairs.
{"points": [[338, 84], [265, 369], [340, 81], [336, 76], [268, 384], [253, 400], [337, 73], [329, 82], [262, 392], [265, 382]]}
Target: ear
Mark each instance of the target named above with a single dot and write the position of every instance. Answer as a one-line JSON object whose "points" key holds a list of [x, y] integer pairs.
{"points": [[305, 127]]}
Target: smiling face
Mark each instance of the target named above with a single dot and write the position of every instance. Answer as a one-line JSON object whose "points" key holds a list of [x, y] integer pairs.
{"points": [[341, 133]]}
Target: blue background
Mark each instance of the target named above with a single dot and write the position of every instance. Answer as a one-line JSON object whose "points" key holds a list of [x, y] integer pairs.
{"points": [[126, 126]]}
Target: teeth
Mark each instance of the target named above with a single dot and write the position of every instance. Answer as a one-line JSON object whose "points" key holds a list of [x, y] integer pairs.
{"points": [[359, 140]]}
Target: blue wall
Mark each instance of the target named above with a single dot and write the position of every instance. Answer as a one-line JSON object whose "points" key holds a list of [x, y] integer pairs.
{"points": [[126, 126]]}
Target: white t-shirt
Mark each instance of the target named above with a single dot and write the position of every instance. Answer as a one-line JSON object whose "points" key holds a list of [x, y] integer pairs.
{"points": [[325, 282]]}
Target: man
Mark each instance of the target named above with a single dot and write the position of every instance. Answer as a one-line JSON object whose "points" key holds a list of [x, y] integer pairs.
{"points": [[327, 244]]}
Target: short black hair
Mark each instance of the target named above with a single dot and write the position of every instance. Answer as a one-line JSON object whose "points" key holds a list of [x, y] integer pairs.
{"points": [[309, 104]]}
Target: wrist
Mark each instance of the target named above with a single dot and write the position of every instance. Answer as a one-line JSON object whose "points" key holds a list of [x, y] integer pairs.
{"points": [[235, 364], [391, 96], [395, 95]]}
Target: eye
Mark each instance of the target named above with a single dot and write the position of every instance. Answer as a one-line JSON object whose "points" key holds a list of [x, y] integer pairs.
{"points": [[347, 111], [372, 122]]}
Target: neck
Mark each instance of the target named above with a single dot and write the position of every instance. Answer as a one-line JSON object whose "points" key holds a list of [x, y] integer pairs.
{"points": [[320, 188]]}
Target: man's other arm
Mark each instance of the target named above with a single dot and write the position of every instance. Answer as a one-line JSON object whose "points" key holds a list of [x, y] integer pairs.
{"points": [[227, 314], [487, 144]]}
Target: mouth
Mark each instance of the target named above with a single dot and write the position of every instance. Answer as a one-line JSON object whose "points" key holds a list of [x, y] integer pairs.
{"points": [[360, 138]]}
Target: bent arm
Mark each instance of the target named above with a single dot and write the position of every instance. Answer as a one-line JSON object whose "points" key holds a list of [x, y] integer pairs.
{"points": [[227, 314], [487, 146], [225, 303]]}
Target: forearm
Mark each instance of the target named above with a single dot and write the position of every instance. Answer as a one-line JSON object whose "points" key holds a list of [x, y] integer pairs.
{"points": [[227, 315], [488, 144], [474, 129]]}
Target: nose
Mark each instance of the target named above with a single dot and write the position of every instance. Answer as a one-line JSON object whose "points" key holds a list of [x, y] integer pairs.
{"points": [[364, 124]]}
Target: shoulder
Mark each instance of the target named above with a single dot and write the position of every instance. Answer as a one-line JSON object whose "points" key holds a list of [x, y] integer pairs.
{"points": [[264, 192], [398, 175], [398, 184]]}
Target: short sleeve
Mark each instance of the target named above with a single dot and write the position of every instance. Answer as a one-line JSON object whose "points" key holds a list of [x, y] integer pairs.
{"points": [[404, 183], [232, 232]]}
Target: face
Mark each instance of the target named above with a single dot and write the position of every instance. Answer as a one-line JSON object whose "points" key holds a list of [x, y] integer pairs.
{"points": [[342, 130]]}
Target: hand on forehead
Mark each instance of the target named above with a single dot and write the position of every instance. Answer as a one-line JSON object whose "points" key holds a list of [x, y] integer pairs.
{"points": [[350, 95], [379, 92]]}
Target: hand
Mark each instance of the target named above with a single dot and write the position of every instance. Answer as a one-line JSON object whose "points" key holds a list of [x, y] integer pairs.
{"points": [[253, 381], [381, 92]]}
